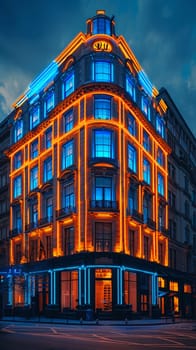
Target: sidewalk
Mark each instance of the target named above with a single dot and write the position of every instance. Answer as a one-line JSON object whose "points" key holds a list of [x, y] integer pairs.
{"points": [[140, 322]]}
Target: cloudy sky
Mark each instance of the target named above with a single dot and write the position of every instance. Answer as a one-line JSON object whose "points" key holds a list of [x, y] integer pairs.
{"points": [[161, 33]]}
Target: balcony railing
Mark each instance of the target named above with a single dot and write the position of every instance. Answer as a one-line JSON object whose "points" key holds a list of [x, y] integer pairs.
{"points": [[45, 221], [16, 231], [65, 211], [31, 226], [163, 230], [104, 205], [151, 223], [136, 215]]}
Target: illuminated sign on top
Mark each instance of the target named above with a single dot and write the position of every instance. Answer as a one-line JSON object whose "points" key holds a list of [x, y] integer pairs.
{"points": [[102, 45]]}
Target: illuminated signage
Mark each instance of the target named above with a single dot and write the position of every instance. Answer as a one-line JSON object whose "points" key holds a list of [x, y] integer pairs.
{"points": [[102, 45]]}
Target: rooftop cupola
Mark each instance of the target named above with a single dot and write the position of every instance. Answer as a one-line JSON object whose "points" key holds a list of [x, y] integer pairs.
{"points": [[101, 24]]}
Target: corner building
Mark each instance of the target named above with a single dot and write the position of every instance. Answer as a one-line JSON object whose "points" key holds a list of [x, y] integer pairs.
{"points": [[89, 214]]}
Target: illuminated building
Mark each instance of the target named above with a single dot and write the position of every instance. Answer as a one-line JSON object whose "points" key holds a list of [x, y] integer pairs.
{"points": [[89, 181]]}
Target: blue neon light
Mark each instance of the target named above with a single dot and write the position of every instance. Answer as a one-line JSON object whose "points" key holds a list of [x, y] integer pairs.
{"points": [[42, 79], [145, 82]]}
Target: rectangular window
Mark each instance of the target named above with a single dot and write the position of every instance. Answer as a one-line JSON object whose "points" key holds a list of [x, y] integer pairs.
{"points": [[49, 209], [102, 107], [146, 171], [132, 242], [68, 120], [18, 160], [68, 85], [17, 219], [146, 248], [147, 141], [103, 237], [132, 158], [48, 103], [34, 214], [133, 198], [103, 71], [48, 138], [34, 178], [69, 241], [48, 169], [34, 149], [161, 187], [103, 144], [68, 196], [18, 186], [160, 128], [34, 116], [160, 157], [130, 87], [132, 125], [146, 107], [18, 253], [33, 250], [67, 154], [18, 130]]}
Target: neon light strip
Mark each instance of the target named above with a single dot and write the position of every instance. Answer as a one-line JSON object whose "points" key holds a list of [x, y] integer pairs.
{"points": [[118, 283], [145, 82], [54, 284], [85, 289], [79, 286], [89, 286]]}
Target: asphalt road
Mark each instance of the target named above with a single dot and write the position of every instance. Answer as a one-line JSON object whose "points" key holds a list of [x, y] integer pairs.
{"points": [[56, 337]]}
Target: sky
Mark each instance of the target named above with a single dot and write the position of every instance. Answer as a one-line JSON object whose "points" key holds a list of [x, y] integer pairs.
{"points": [[161, 33]]}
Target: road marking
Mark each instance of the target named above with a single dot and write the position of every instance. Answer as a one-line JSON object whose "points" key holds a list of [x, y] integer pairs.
{"points": [[53, 330]]}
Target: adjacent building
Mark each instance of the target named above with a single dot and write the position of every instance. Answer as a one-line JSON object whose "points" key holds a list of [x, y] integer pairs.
{"points": [[89, 186]]}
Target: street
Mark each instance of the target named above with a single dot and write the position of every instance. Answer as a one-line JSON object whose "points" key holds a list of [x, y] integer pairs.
{"points": [[81, 337]]}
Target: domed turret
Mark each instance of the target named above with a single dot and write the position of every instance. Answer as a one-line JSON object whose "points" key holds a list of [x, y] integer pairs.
{"points": [[101, 24]]}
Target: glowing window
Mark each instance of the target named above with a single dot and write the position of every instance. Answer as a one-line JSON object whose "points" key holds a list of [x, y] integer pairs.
{"points": [[102, 107], [161, 189], [68, 154], [147, 141], [34, 178], [160, 157], [103, 144], [160, 127], [48, 169], [17, 218], [146, 171], [161, 282], [34, 116], [48, 102], [68, 120], [49, 208], [18, 186], [34, 214], [133, 198], [132, 158], [132, 125], [187, 288], [18, 160], [18, 130], [48, 138], [103, 188], [69, 241], [34, 149], [145, 105], [68, 195], [173, 286], [103, 237], [103, 71], [68, 85], [101, 26], [130, 87]]}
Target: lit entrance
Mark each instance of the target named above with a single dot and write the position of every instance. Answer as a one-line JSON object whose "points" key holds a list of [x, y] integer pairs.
{"points": [[103, 289]]}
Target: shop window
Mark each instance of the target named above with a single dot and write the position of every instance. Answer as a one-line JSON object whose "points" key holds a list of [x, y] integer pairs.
{"points": [[69, 288]]}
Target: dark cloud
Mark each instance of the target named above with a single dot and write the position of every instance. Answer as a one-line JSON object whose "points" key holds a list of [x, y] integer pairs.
{"points": [[162, 34]]}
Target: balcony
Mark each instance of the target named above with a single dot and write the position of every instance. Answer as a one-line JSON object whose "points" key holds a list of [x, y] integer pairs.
{"points": [[135, 215], [65, 212], [45, 221], [151, 223], [104, 205], [16, 231], [31, 226], [163, 230]]}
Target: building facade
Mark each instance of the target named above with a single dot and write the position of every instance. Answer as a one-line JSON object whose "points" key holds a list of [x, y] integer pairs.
{"points": [[89, 184]]}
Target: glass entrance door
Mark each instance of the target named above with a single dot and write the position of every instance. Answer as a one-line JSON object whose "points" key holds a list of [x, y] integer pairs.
{"points": [[103, 289]]}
